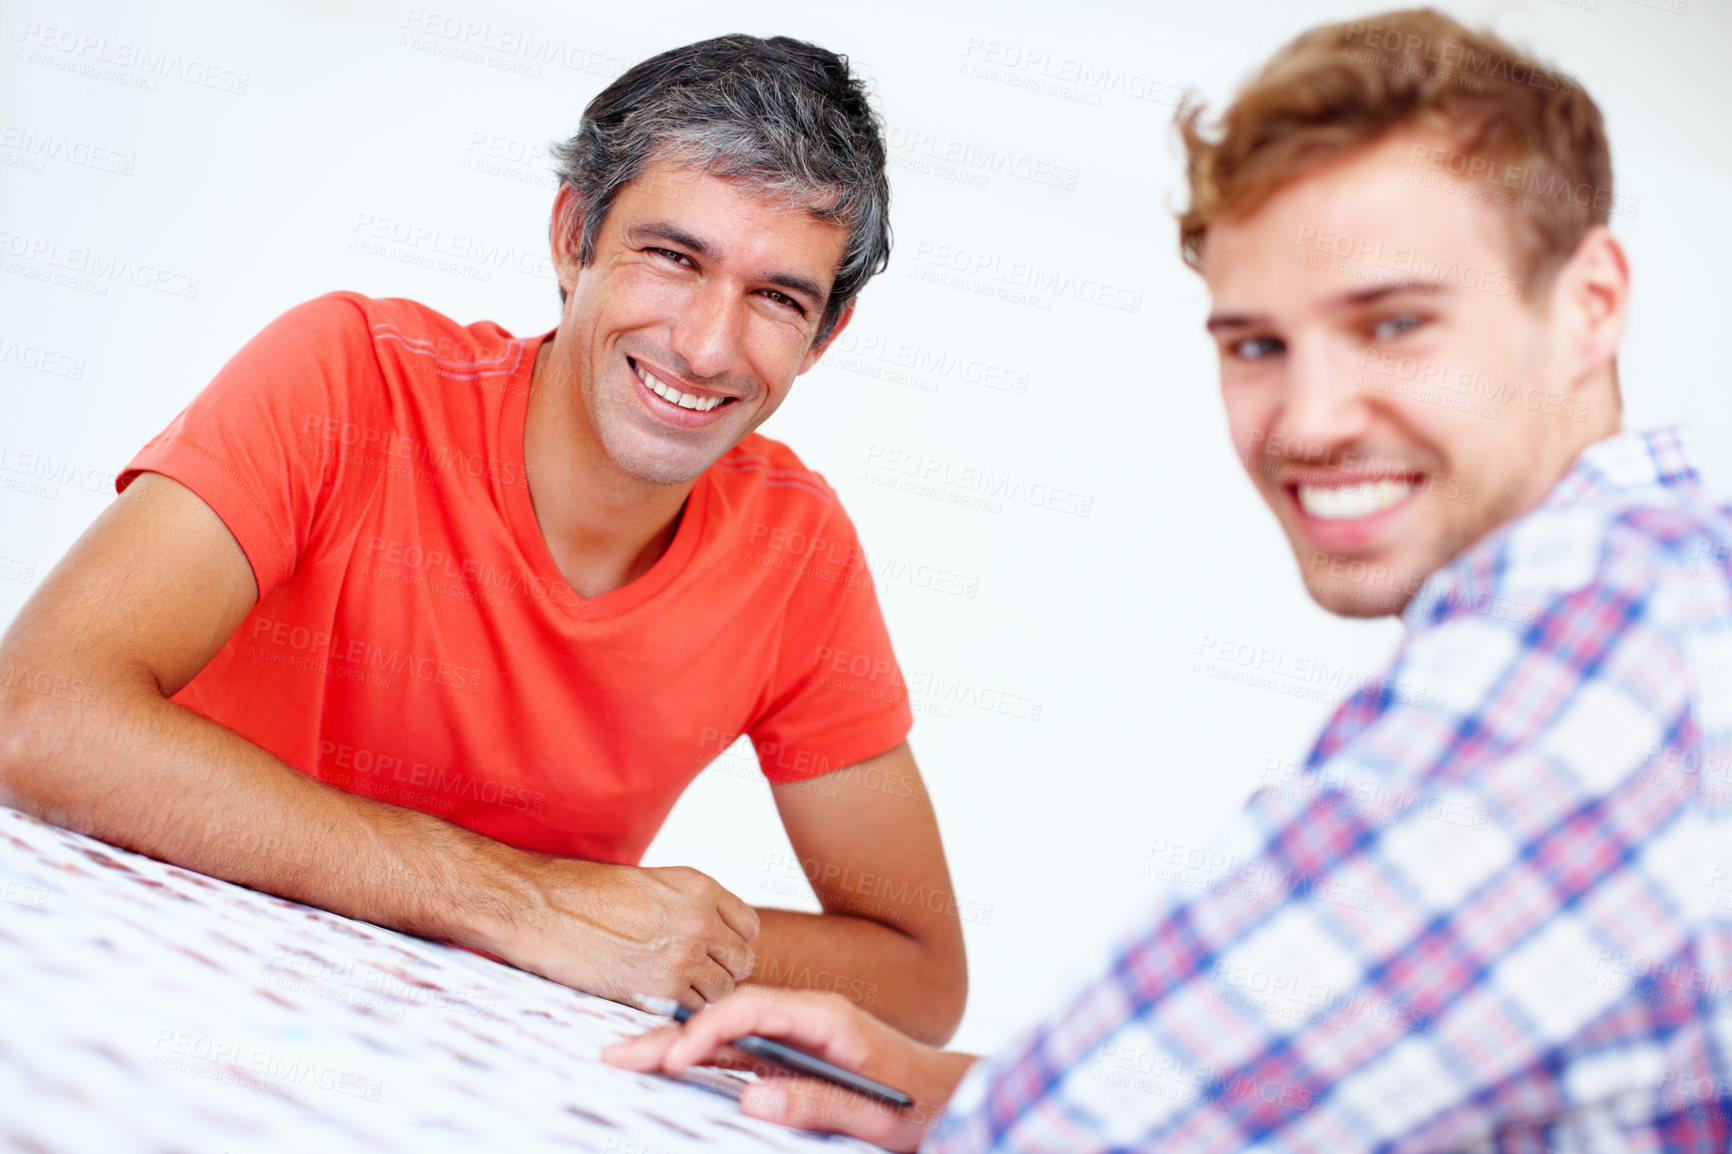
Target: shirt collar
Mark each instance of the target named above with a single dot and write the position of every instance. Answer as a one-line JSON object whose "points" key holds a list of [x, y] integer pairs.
{"points": [[1624, 462], [1664, 457]]}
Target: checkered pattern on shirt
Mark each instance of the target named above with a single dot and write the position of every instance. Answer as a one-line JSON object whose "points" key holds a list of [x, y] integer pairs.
{"points": [[1495, 913]]}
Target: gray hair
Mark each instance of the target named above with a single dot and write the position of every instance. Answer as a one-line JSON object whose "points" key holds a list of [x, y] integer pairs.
{"points": [[779, 115]]}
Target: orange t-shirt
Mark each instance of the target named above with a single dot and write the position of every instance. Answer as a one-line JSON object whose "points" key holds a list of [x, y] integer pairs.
{"points": [[414, 641]]}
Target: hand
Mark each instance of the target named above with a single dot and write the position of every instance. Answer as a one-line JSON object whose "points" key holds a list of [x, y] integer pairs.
{"points": [[619, 930], [822, 1024]]}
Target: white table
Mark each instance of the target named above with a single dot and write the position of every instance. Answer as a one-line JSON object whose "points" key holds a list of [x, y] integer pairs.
{"points": [[144, 1007]]}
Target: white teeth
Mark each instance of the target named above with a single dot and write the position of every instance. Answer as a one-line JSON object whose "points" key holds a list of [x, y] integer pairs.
{"points": [[1348, 502], [683, 400]]}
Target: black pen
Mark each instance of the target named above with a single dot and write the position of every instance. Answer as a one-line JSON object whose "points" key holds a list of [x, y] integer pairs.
{"points": [[784, 1055]]}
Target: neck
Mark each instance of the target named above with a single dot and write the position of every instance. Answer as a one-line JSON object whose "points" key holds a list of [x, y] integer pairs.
{"points": [[1604, 418], [605, 529], [1560, 442]]}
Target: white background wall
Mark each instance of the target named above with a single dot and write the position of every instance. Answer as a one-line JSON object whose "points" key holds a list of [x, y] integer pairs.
{"points": [[277, 132]]}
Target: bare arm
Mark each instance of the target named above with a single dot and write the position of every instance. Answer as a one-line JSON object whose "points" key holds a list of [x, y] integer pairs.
{"points": [[890, 938], [90, 741]]}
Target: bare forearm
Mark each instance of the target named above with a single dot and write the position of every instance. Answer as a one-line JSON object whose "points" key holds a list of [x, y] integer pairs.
{"points": [[89, 739], [913, 985], [133, 769]]}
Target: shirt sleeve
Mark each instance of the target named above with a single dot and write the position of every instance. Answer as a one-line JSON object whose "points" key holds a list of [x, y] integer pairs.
{"points": [[1406, 947], [268, 442], [838, 696]]}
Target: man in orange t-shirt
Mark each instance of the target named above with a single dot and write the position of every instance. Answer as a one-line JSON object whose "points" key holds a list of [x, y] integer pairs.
{"points": [[439, 622]]}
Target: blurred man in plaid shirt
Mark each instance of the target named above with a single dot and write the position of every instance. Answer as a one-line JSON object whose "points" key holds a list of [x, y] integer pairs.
{"points": [[1493, 910]]}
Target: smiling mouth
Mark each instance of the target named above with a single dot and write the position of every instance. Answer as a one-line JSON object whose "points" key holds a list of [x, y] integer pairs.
{"points": [[1352, 502], [673, 396]]}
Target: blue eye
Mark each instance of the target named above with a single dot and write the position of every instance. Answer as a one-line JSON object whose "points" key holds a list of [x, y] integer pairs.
{"points": [[1394, 326], [1255, 348]]}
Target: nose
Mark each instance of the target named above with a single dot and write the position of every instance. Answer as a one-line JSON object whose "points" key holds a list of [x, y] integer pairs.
{"points": [[710, 329], [1322, 408]]}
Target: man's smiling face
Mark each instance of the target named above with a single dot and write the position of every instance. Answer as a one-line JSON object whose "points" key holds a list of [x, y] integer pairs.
{"points": [[1378, 355], [699, 309]]}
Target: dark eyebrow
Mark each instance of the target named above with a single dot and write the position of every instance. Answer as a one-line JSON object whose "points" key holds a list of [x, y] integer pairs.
{"points": [[798, 284], [674, 234]]}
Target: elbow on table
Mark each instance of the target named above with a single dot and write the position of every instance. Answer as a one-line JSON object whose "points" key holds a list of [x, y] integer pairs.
{"points": [[943, 986], [37, 724], [20, 747], [947, 1006]]}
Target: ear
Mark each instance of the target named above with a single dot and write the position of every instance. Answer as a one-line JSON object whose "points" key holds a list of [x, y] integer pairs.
{"points": [[1592, 297], [565, 236], [816, 351]]}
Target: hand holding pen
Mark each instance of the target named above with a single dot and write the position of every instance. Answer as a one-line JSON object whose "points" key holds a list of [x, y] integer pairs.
{"points": [[824, 1027]]}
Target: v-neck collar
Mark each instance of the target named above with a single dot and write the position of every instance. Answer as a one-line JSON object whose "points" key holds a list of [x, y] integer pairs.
{"points": [[520, 514]]}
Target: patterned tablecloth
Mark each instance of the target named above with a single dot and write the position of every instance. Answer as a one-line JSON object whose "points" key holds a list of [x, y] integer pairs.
{"points": [[145, 1007]]}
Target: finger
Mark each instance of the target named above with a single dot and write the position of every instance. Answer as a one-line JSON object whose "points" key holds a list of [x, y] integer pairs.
{"points": [[644, 1052], [808, 1105], [817, 1023], [712, 983], [733, 954], [731, 1059], [741, 918]]}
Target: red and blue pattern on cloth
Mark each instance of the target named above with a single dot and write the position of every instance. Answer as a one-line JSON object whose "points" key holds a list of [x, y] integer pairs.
{"points": [[1494, 913]]}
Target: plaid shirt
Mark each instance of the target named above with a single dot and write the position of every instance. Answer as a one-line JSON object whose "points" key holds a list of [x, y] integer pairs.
{"points": [[1494, 911]]}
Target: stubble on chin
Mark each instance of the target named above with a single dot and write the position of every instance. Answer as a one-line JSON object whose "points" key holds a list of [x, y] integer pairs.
{"points": [[643, 462]]}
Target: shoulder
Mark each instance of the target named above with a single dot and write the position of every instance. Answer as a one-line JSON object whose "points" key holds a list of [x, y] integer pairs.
{"points": [[1646, 547], [763, 497], [346, 309], [1617, 588], [766, 476], [343, 315], [395, 328], [333, 330], [420, 331]]}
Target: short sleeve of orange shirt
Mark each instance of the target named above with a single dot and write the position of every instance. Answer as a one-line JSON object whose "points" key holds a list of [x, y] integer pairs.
{"points": [[415, 642]]}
